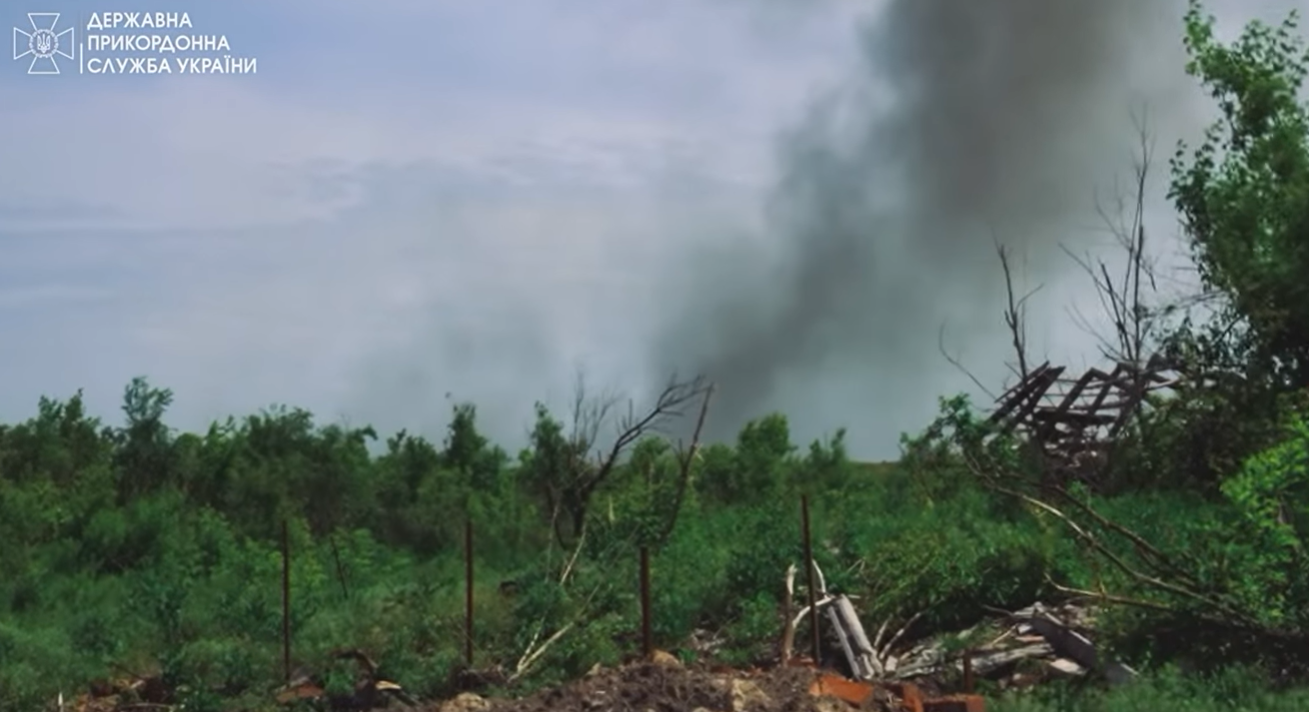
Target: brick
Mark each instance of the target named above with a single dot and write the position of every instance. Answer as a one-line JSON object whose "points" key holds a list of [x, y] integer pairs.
{"points": [[856, 693], [909, 695]]}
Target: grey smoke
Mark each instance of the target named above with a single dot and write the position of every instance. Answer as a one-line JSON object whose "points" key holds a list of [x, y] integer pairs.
{"points": [[968, 120]]}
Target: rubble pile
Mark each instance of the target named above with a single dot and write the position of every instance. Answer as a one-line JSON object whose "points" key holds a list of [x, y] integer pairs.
{"points": [[1014, 651], [1021, 649], [667, 686]]}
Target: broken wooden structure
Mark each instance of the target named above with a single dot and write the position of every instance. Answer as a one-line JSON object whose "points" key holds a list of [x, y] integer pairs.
{"points": [[1053, 640], [1073, 421]]}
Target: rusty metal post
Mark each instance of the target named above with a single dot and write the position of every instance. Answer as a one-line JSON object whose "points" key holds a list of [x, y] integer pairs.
{"points": [[647, 638], [286, 602], [468, 593], [813, 582]]}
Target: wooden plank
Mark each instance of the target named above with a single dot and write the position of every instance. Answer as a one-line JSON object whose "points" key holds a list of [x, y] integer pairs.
{"points": [[1019, 394], [854, 641], [1081, 418]]}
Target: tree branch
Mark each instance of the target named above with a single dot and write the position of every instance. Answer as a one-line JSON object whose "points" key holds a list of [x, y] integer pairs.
{"points": [[685, 460]]}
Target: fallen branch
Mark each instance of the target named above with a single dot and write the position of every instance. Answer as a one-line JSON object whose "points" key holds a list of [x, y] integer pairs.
{"points": [[885, 651], [823, 598], [1223, 609], [1149, 553], [822, 580], [533, 652], [531, 656], [572, 560], [1105, 597], [799, 617]]}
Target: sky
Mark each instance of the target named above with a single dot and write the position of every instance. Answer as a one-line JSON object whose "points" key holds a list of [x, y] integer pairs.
{"points": [[417, 203]]}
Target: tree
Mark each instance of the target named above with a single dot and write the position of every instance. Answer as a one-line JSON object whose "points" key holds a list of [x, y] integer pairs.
{"points": [[568, 469], [470, 453], [1243, 196], [144, 456], [1230, 572]]}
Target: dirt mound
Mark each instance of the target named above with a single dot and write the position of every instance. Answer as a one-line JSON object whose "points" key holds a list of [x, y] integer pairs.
{"points": [[653, 687]]}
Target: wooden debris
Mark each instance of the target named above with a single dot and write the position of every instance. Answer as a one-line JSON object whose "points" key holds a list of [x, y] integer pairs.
{"points": [[859, 653], [1074, 421], [1067, 667], [1055, 639], [1069, 643]]}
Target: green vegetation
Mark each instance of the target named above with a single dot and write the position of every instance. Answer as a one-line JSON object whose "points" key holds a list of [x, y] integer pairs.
{"points": [[132, 547]]}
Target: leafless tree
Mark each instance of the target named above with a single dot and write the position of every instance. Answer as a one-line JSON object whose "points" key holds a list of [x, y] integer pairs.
{"points": [[1015, 312], [589, 460], [1015, 319], [686, 457], [1122, 293], [588, 464]]}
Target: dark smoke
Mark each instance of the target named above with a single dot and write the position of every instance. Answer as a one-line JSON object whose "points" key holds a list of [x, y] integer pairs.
{"points": [[971, 120]]}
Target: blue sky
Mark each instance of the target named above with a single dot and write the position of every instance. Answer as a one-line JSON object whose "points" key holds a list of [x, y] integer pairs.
{"points": [[409, 198]]}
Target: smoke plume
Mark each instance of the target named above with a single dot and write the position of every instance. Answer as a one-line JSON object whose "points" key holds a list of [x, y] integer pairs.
{"points": [[969, 121]]}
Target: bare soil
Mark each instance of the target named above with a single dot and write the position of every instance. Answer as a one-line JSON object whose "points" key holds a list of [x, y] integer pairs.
{"points": [[654, 687]]}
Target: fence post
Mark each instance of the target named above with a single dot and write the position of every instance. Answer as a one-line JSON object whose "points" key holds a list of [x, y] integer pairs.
{"points": [[813, 583], [286, 603], [647, 638], [468, 593]]}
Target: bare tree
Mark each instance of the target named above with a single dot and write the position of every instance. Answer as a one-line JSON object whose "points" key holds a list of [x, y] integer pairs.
{"points": [[588, 462], [1015, 319], [1121, 291], [686, 459], [1015, 312]]}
